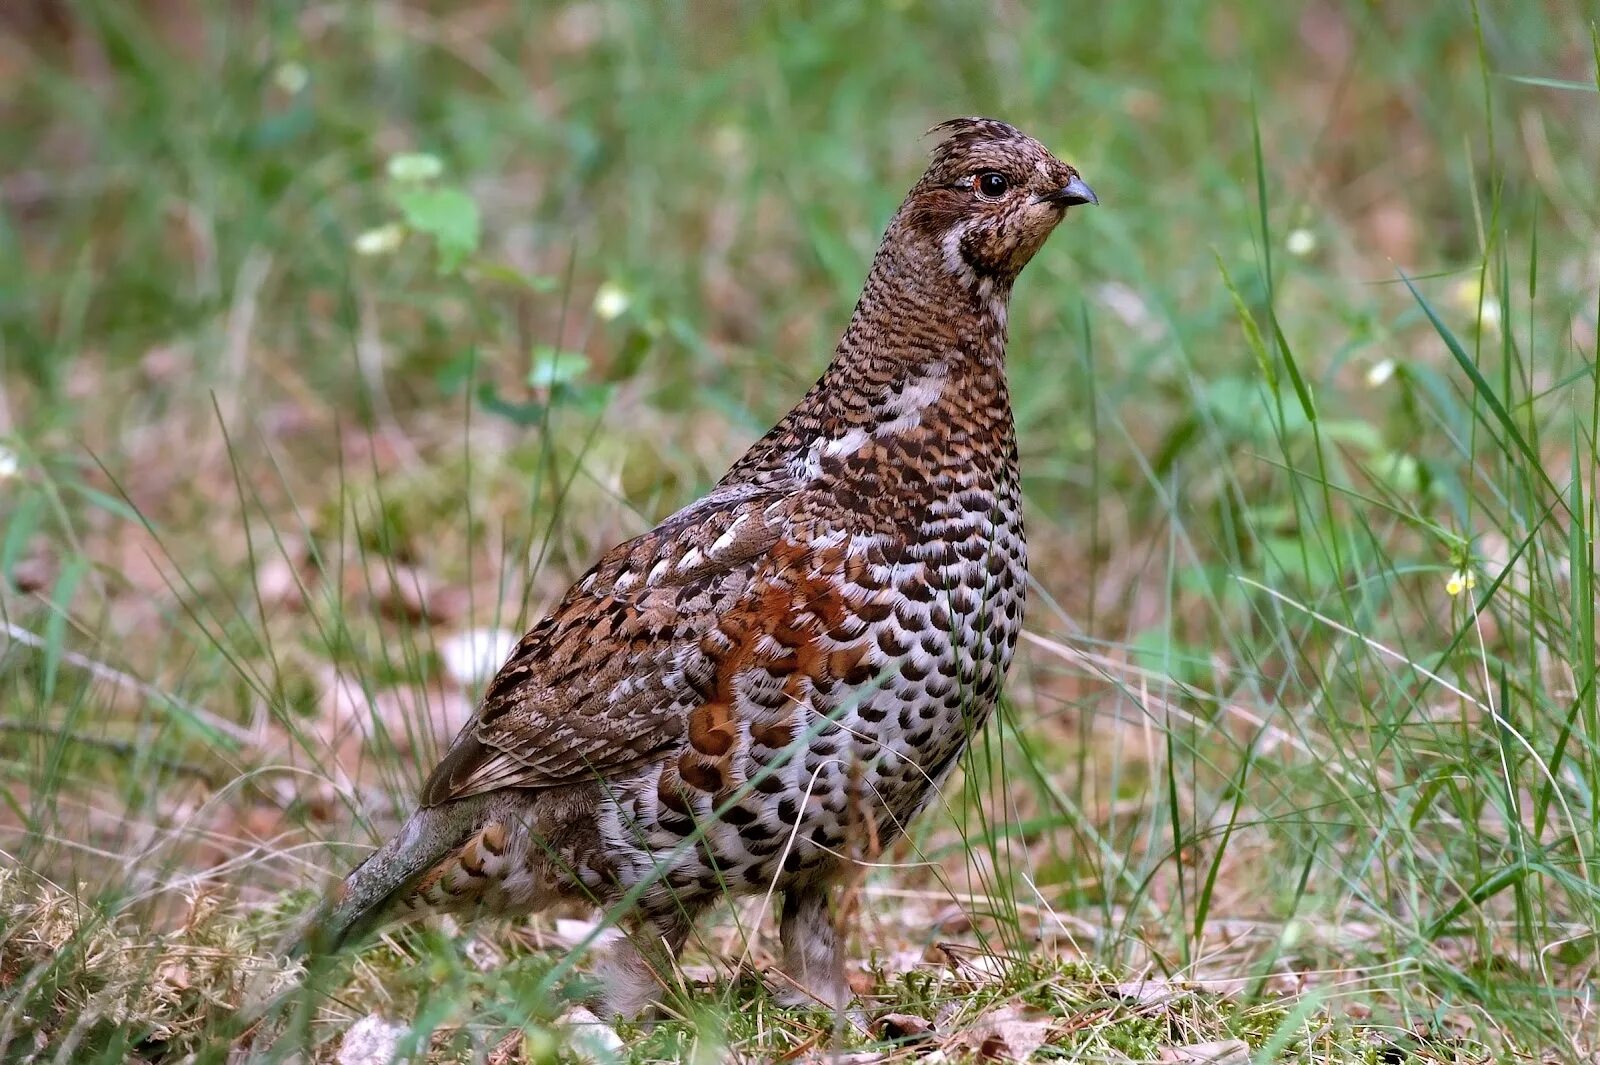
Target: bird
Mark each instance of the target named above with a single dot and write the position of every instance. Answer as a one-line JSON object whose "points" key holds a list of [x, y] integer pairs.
{"points": [[763, 690]]}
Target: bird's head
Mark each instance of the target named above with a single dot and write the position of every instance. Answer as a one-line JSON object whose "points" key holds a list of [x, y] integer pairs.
{"points": [[989, 198]]}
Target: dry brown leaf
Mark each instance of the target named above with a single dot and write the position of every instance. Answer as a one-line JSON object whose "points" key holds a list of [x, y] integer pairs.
{"points": [[1008, 1034], [903, 1027], [34, 571], [1153, 991], [1223, 1052], [402, 592], [508, 1051]]}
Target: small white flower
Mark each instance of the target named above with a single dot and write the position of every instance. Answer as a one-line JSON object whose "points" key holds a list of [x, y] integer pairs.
{"points": [[728, 142], [414, 167], [474, 656], [291, 77], [611, 301], [1489, 316], [1300, 243], [380, 241], [1462, 580], [1470, 296], [1379, 374], [10, 465]]}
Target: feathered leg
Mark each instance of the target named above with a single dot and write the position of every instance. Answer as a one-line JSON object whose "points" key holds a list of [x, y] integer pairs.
{"points": [[637, 970], [811, 958]]}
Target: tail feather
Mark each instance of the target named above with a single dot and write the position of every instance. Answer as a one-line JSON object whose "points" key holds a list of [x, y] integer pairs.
{"points": [[377, 892], [467, 877]]}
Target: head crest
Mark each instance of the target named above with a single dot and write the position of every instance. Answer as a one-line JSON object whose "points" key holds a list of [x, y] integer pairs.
{"points": [[959, 134]]}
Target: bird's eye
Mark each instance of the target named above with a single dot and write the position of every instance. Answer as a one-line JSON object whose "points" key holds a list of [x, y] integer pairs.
{"points": [[991, 184]]}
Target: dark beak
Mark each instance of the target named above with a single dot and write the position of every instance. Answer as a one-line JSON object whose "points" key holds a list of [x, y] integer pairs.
{"points": [[1072, 194]]}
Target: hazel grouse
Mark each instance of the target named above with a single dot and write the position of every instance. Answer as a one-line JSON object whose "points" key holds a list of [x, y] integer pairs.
{"points": [[739, 700]]}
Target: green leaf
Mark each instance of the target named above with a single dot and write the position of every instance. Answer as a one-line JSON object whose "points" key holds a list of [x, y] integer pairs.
{"points": [[631, 355], [552, 367], [1252, 332], [1481, 386], [24, 520], [1403, 473], [1551, 83], [456, 374], [523, 414], [108, 503], [1297, 560], [449, 216], [505, 274], [415, 167]]}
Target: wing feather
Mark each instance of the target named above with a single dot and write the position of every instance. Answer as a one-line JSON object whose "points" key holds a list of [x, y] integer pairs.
{"points": [[598, 687]]}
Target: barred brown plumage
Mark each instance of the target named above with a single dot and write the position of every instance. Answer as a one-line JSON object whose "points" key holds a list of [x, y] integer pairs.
{"points": [[739, 699]]}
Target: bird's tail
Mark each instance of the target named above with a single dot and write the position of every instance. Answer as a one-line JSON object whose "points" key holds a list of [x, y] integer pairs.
{"points": [[430, 865]]}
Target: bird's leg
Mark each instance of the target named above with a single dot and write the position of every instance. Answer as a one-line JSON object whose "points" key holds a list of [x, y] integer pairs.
{"points": [[811, 959], [636, 970]]}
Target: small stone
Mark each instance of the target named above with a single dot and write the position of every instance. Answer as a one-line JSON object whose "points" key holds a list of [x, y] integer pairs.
{"points": [[570, 932], [592, 1039], [373, 1040]]}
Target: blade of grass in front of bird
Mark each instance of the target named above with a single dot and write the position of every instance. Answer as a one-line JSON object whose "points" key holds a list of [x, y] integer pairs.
{"points": [[1583, 539], [1483, 75], [1175, 815], [1481, 387], [1269, 960], [1202, 905], [1247, 322], [1488, 887], [1291, 1029], [1551, 83]]}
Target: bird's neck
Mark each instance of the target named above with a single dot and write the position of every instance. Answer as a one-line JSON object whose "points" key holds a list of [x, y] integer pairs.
{"points": [[925, 346], [922, 304]]}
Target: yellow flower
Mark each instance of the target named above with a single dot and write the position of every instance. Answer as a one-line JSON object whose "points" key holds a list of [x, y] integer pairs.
{"points": [[1462, 580]]}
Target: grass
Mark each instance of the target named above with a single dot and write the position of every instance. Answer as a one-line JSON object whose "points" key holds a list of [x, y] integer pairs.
{"points": [[1326, 351]]}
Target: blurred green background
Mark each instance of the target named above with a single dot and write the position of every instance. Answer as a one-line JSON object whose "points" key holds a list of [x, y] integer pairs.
{"points": [[336, 338]]}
